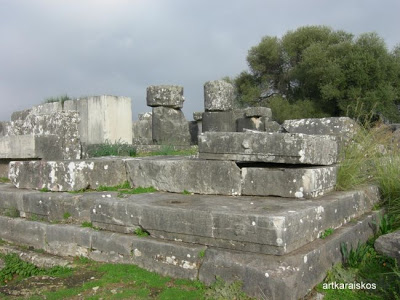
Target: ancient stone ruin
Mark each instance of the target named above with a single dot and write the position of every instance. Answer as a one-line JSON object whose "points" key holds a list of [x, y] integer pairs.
{"points": [[257, 196]]}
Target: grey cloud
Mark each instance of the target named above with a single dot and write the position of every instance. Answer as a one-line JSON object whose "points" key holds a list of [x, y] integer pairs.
{"points": [[120, 47]]}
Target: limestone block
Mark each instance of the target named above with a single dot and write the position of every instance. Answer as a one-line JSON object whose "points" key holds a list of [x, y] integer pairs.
{"points": [[170, 126], [144, 116], [218, 95], [142, 131], [258, 112], [30, 146], [272, 126], [47, 108], [269, 147], [198, 115], [288, 182], [165, 95], [103, 118], [194, 131], [389, 244], [174, 174], [67, 175], [342, 126], [219, 121]]}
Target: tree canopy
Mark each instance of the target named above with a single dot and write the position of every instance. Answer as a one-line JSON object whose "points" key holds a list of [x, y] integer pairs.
{"points": [[316, 71]]}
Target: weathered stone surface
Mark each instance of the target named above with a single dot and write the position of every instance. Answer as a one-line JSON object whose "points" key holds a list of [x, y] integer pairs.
{"points": [[173, 259], [67, 175], [62, 125], [4, 167], [342, 126], [263, 225], [30, 146], [145, 116], [20, 115], [272, 126], [389, 244], [253, 123], [288, 277], [268, 147], [288, 182], [165, 95], [142, 131], [218, 95], [176, 174], [170, 126], [258, 112], [198, 115], [103, 118], [47, 108], [3, 128], [219, 121]]}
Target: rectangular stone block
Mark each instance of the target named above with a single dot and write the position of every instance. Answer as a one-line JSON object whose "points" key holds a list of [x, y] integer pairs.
{"points": [[288, 182], [4, 167], [142, 131], [29, 146], [165, 95], [268, 147], [218, 95], [170, 127], [219, 121], [103, 118], [272, 126], [258, 112], [288, 277], [47, 108], [342, 126], [67, 175], [176, 174], [66, 240]]}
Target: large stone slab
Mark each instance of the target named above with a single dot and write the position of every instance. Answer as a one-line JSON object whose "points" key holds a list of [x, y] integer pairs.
{"points": [[218, 121], [165, 95], [176, 174], [261, 225], [20, 115], [288, 277], [218, 95], [288, 182], [67, 175], [103, 118], [63, 125], [170, 126], [342, 126], [389, 244], [258, 112], [268, 147], [179, 260]]}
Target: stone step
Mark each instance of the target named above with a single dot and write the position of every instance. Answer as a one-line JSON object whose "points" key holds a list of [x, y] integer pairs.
{"points": [[270, 147], [265, 225], [290, 276], [176, 174]]}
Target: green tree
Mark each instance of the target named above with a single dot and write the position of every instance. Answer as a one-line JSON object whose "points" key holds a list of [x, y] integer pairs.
{"points": [[331, 72]]}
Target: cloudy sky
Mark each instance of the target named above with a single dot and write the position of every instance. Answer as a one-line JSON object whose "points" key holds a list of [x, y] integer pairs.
{"points": [[119, 47]]}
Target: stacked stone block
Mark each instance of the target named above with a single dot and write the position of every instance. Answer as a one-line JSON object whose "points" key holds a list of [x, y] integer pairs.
{"points": [[218, 105], [169, 125], [253, 118], [142, 130]]}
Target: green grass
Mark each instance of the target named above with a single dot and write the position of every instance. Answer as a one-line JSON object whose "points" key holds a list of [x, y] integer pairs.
{"points": [[185, 192], [12, 212], [108, 148], [327, 233], [61, 99], [4, 180], [14, 266], [44, 190], [66, 215], [89, 225], [140, 232], [122, 189]]}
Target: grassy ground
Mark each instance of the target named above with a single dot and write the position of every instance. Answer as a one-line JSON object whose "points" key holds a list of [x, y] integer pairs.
{"points": [[92, 280]]}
